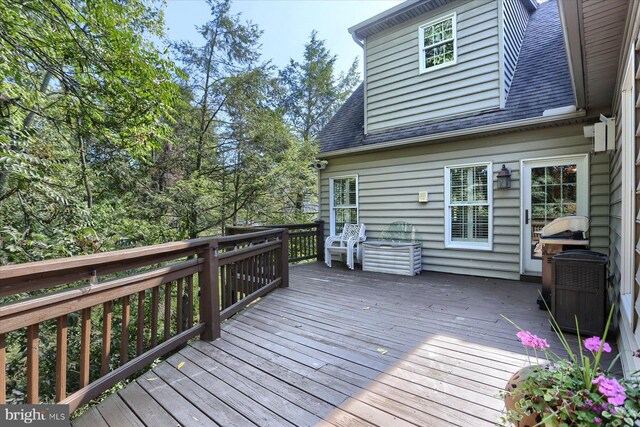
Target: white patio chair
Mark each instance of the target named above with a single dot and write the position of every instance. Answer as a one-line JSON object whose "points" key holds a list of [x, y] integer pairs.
{"points": [[347, 244]]}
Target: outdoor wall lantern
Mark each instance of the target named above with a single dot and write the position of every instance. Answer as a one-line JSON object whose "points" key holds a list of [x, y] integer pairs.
{"points": [[504, 178]]}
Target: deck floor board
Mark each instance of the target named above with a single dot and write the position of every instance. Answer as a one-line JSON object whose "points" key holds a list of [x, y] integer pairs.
{"points": [[342, 348]]}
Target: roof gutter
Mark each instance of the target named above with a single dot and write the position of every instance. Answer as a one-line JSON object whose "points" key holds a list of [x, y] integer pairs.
{"points": [[357, 40], [389, 13], [511, 125]]}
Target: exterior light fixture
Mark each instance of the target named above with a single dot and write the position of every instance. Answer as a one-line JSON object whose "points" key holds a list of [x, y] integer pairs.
{"points": [[504, 178]]}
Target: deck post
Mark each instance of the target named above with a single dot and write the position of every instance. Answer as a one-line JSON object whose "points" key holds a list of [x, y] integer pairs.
{"points": [[284, 259], [210, 295], [319, 240]]}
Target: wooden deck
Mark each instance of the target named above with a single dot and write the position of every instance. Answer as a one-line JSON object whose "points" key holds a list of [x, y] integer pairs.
{"points": [[344, 348]]}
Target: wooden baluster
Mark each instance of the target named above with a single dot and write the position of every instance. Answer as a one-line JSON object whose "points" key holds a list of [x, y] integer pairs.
{"points": [[190, 306], [179, 306], [285, 259], [61, 358], [223, 286], [3, 370], [155, 294], [32, 364], [124, 333], [229, 285], [140, 339], [252, 275], [272, 261], [85, 346], [167, 310], [319, 240], [106, 338], [234, 271], [241, 279], [256, 273], [268, 266], [247, 272]]}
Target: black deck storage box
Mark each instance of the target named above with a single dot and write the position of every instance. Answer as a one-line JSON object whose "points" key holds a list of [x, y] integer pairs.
{"points": [[579, 289]]}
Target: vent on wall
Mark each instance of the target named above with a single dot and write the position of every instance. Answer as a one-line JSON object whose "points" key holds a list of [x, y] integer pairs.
{"points": [[603, 134]]}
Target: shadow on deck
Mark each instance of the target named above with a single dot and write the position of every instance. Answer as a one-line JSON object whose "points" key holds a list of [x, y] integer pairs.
{"points": [[345, 348]]}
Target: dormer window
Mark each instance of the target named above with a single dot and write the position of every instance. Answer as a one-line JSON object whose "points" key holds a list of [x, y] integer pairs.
{"points": [[437, 43]]}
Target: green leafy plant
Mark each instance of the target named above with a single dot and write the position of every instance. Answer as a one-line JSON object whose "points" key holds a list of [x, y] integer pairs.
{"points": [[574, 390]]}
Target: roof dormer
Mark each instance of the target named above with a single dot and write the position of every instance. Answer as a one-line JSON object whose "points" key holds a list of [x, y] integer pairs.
{"points": [[429, 60]]}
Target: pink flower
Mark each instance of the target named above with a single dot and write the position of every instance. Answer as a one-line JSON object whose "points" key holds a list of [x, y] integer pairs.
{"points": [[611, 388], [597, 420], [593, 344], [529, 340]]}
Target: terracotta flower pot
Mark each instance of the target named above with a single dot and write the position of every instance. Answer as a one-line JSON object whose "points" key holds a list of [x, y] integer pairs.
{"points": [[512, 397]]}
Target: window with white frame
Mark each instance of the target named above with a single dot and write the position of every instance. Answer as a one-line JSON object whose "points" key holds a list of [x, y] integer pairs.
{"points": [[437, 43], [344, 202], [468, 210]]}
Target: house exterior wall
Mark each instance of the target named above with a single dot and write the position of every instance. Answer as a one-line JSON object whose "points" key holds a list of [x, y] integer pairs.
{"points": [[389, 183], [629, 332], [397, 94]]}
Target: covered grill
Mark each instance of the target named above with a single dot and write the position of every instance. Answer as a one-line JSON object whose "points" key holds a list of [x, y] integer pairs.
{"points": [[561, 234]]}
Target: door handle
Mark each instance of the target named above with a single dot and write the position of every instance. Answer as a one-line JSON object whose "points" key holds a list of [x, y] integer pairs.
{"points": [[526, 216]]}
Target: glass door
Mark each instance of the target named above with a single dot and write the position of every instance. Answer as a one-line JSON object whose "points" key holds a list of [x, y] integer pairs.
{"points": [[552, 188]]}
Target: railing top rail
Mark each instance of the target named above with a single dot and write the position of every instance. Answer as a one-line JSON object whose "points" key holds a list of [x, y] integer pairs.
{"points": [[103, 258], [272, 226], [249, 236]]}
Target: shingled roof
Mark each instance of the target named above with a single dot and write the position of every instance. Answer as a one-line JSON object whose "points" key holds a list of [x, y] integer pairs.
{"points": [[541, 82]]}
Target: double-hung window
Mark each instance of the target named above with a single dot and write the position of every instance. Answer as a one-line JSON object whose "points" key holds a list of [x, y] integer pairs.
{"points": [[437, 43], [468, 210], [344, 202]]}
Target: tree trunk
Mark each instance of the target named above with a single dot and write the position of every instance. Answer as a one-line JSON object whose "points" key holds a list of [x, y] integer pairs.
{"points": [[83, 166]]}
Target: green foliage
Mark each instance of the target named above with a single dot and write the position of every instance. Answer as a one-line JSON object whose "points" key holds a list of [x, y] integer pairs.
{"points": [[568, 391], [312, 91], [107, 143]]}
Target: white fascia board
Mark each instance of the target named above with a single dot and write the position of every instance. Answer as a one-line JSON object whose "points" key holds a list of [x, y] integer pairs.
{"points": [[479, 130]]}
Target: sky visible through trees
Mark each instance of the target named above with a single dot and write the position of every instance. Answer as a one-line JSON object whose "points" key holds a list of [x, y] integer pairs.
{"points": [[109, 142]]}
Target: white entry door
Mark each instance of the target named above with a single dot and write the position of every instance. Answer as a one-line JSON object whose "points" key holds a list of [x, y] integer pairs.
{"points": [[551, 188]]}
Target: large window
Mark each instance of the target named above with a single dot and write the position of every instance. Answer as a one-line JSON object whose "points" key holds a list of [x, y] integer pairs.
{"points": [[437, 43], [344, 202], [468, 213]]}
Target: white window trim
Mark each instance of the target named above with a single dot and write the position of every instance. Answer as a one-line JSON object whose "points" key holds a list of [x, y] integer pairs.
{"points": [[627, 147], [421, 47], [332, 212], [478, 246]]}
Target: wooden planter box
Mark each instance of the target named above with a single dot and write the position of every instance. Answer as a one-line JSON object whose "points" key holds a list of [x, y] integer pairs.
{"points": [[392, 257]]}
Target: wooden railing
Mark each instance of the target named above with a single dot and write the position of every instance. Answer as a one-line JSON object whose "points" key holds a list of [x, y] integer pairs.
{"points": [[162, 285], [306, 241]]}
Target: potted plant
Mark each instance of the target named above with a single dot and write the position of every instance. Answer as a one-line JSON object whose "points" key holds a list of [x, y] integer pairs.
{"points": [[570, 391]]}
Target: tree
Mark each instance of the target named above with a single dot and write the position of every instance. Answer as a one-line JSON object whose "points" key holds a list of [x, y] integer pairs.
{"points": [[226, 63], [313, 92], [75, 77], [312, 95]]}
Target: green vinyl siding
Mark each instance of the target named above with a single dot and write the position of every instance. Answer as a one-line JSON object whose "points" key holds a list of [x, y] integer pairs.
{"points": [[389, 182], [398, 94]]}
